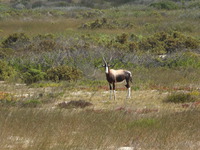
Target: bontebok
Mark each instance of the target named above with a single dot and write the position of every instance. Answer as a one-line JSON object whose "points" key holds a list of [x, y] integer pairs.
{"points": [[114, 76]]}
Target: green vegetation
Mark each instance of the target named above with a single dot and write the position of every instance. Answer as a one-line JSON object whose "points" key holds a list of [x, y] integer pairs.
{"points": [[169, 5], [63, 73], [6, 71], [48, 57], [33, 75], [51, 54], [14, 40], [180, 98], [72, 41], [31, 103]]}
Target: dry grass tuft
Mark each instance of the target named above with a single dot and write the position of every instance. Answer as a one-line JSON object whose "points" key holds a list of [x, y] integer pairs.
{"points": [[74, 104]]}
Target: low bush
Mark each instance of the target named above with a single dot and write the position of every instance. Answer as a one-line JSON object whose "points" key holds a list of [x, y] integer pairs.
{"points": [[31, 103], [188, 59], [107, 24], [38, 4], [123, 38], [93, 13], [194, 5], [164, 42], [6, 96], [180, 98], [15, 40], [74, 104], [4, 7], [6, 71], [33, 75], [184, 60], [44, 84], [168, 5], [63, 72], [158, 43], [143, 123], [5, 52], [47, 45], [42, 43], [98, 23], [7, 99]]}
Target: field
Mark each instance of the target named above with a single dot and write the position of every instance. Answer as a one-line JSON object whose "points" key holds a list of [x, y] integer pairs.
{"points": [[53, 90], [145, 121]]}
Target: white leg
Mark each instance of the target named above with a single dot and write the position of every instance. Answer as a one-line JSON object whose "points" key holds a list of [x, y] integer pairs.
{"points": [[114, 93], [129, 93], [110, 94]]}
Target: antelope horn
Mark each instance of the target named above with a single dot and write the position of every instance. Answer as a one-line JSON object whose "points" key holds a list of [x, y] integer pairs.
{"points": [[104, 60], [110, 59]]}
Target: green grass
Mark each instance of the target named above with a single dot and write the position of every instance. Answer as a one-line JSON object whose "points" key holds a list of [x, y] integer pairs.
{"points": [[37, 26], [144, 22]]}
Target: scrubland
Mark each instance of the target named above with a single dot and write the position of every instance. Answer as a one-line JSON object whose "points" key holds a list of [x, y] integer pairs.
{"points": [[50, 56]]}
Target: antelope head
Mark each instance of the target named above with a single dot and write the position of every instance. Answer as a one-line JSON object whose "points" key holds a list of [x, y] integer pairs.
{"points": [[107, 65]]}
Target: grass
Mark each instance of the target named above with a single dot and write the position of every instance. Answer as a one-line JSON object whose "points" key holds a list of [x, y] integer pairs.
{"points": [[142, 122], [144, 22], [38, 26], [66, 129]]}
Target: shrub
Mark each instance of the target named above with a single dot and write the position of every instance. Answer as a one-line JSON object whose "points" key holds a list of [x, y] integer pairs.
{"points": [[123, 38], [133, 46], [169, 5], [180, 98], [6, 96], [165, 42], [152, 44], [93, 13], [107, 24], [47, 45], [5, 52], [74, 104], [4, 7], [62, 4], [63, 72], [188, 59], [7, 99], [33, 75], [44, 36], [31, 103], [6, 71], [15, 40], [158, 43], [37, 4], [46, 42], [97, 24], [143, 123], [194, 5], [180, 60]]}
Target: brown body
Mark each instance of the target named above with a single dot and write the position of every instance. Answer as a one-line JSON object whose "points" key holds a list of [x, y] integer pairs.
{"points": [[114, 76]]}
